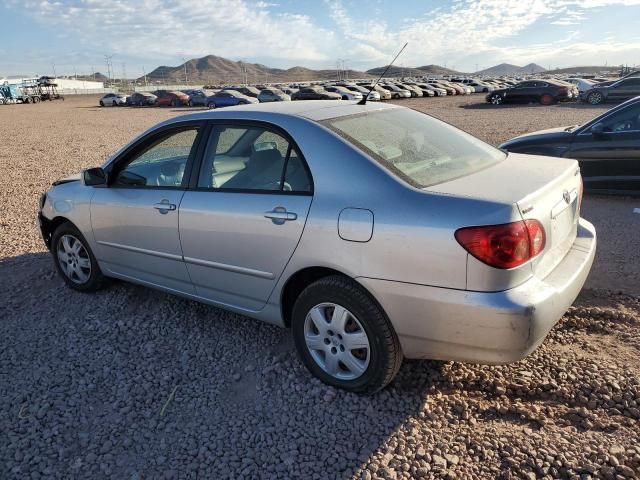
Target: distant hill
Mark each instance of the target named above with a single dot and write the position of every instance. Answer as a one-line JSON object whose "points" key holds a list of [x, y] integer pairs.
{"points": [[93, 77], [509, 69], [218, 70], [399, 71], [586, 69], [396, 71], [438, 70]]}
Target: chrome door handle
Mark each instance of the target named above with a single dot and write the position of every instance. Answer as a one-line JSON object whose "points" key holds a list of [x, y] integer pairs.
{"points": [[164, 207], [279, 215]]}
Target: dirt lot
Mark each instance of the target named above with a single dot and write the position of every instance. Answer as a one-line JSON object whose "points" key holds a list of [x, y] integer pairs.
{"points": [[132, 383]]}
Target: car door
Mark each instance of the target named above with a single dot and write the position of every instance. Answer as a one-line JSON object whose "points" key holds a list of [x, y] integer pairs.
{"points": [[135, 217], [242, 221], [625, 89], [610, 160], [521, 92]]}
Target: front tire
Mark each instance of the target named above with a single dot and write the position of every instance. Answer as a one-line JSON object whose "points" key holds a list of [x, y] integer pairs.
{"points": [[101, 103], [74, 260], [344, 337], [595, 98]]}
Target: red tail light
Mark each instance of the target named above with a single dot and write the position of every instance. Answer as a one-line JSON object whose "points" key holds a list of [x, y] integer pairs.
{"points": [[503, 246]]}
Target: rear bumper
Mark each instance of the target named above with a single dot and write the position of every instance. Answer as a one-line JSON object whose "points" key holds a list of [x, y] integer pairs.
{"points": [[485, 327]]}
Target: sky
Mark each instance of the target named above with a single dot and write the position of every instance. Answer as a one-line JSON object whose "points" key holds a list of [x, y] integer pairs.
{"points": [[43, 37]]}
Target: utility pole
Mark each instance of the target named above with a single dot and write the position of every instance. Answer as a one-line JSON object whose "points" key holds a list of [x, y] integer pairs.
{"points": [[108, 61], [186, 80], [144, 74], [54, 70], [124, 74]]}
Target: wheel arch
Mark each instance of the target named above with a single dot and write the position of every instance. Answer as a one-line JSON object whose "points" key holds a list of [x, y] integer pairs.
{"points": [[48, 227], [300, 280]]}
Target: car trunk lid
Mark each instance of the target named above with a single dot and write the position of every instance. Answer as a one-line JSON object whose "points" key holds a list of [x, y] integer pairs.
{"points": [[543, 188]]}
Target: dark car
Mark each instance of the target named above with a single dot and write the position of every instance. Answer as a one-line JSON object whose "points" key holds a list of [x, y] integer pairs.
{"points": [[546, 92], [607, 148], [229, 98], [618, 91], [172, 98], [314, 93], [141, 99], [198, 97]]}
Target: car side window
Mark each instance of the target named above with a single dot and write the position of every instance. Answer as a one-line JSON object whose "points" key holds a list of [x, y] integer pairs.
{"points": [[161, 163], [630, 83], [625, 120], [252, 158]]}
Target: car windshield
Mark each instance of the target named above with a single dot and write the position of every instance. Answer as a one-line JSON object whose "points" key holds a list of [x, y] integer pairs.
{"points": [[418, 148]]}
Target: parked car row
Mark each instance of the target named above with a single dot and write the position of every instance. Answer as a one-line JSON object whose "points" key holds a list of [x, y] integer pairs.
{"points": [[242, 95]]}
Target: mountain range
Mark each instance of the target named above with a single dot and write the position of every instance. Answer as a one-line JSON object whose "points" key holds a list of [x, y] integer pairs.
{"points": [[212, 70], [509, 69]]}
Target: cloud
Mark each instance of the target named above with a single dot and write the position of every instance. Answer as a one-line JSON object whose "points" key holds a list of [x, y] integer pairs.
{"points": [[470, 31], [232, 28], [463, 32]]}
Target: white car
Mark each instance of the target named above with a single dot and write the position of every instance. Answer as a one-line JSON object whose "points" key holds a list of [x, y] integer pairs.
{"points": [[345, 93], [113, 100], [582, 83], [371, 95]]}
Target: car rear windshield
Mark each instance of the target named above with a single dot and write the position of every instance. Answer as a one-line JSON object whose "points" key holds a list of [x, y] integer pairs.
{"points": [[418, 148]]}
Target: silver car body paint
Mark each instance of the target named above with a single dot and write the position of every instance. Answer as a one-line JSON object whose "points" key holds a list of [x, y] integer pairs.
{"points": [[442, 302]]}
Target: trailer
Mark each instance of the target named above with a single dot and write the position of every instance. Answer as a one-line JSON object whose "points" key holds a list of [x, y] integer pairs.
{"points": [[49, 89], [30, 92]]}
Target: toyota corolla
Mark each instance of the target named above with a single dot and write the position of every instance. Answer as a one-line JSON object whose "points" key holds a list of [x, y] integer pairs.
{"points": [[374, 232]]}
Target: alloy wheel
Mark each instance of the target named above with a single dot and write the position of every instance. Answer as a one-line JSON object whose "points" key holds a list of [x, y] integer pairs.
{"points": [[496, 100], [73, 259], [595, 98], [337, 341]]}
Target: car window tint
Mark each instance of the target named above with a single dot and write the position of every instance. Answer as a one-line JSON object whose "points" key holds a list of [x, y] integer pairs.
{"points": [[627, 119], [416, 147], [296, 178], [160, 164], [631, 82], [244, 158]]}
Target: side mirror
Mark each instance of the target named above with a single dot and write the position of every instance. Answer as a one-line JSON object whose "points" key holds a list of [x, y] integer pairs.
{"points": [[598, 130], [94, 176]]}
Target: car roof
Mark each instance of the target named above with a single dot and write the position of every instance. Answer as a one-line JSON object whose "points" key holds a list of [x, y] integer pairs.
{"points": [[315, 110]]}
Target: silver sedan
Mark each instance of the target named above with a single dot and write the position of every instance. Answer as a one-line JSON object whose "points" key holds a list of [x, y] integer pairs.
{"points": [[374, 232]]}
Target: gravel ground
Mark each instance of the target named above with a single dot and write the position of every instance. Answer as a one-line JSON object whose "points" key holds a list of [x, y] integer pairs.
{"points": [[133, 383]]}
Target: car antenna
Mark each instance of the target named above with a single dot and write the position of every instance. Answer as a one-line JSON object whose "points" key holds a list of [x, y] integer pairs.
{"points": [[364, 98]]}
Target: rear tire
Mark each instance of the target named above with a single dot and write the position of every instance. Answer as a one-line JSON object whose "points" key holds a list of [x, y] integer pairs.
{"points": [[595, 98], [101, 103], [547, 99], [74, 260], [365, 362]]}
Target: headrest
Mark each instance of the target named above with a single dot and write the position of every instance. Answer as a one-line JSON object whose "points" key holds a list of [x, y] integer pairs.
{"points": [[265, 157]]}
